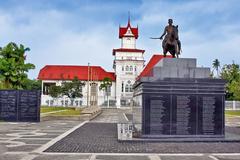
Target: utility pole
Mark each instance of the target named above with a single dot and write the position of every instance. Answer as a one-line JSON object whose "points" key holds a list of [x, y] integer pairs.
{"points": [[88, 86]]}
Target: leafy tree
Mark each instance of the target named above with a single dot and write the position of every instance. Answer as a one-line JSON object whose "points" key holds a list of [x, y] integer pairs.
{"points": [[231, 73], [72, 89], [29, 84], [106, 86], [13, 67], [216, 66], [55, 91]]}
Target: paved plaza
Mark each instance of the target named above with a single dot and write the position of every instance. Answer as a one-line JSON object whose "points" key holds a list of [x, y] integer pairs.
{"points": [[97, 140]]}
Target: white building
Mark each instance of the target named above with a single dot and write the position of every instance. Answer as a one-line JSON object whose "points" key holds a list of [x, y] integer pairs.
{"points": [[128, 64], [90, 75]]}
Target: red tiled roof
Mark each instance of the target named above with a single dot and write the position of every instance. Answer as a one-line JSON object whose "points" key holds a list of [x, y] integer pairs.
{"points": [[123, 30], [65, 72], [147, 71], [127, 50]]}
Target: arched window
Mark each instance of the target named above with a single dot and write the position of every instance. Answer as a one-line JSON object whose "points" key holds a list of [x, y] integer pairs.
{"points": [[131, 68], [128, 86], [135, 68], [127, 68]]}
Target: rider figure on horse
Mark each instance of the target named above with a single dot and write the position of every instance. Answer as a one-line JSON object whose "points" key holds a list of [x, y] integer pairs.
{"points": [[171, 41]]}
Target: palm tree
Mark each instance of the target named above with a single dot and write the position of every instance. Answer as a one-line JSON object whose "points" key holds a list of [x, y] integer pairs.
{"points": [[216, 66], [106, 86], [12, 65]]}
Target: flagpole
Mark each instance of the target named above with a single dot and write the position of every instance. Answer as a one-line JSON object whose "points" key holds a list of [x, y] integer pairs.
{"points": [[88, 85]]}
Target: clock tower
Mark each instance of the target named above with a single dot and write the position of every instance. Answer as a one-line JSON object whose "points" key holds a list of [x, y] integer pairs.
{"points": [[128, 64]]}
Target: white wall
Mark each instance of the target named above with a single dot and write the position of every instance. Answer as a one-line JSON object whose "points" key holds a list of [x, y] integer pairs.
{"points": [[122, 60], [83, 100]]}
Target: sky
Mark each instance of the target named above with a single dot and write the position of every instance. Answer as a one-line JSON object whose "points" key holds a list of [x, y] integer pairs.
{"points": [[78, 32]]}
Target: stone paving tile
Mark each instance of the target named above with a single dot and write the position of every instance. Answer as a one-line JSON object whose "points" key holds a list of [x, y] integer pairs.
{"points": [[11, 157], [62, 157], [32, 141], [129, 117], [44, 136], [24, 148], [112, 116], [235, 130], [109, 157], [102, 138], [228, 157], [185, 158], [3, 148]]}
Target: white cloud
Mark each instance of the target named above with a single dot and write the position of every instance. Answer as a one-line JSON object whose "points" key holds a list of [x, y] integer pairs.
{"points": [[68, 37]]}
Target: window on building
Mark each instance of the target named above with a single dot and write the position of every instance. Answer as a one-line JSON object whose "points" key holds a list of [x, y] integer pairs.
{"points": [[127, 68], [127, 88], [122, 86], [135, 68], [46, 87], [131, 68], [131, 88], [122, 68]]}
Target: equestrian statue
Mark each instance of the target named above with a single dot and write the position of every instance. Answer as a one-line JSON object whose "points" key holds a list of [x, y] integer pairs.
{"points": [[171, 42]]}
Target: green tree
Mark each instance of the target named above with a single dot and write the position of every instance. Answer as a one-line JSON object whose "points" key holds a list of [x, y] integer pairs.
{"points": [[73, 89], [106, 86], [29, 84], [55, 92], [216, 66], [13, 68], [231, 73]]}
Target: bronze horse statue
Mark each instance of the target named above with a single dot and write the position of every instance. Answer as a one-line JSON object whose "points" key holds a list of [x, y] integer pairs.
{"points": [[171, 42]]}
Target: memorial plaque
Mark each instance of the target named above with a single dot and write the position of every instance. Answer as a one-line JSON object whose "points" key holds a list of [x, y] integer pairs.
{"points": [[172, 111], [184, 115], [8, 109], [210, 116], [159, 114], [20, 105], [28, 102]]}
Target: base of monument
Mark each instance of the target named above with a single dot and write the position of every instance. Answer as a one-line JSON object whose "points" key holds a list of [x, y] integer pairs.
{"points": [[229, 137], [182, 136]]}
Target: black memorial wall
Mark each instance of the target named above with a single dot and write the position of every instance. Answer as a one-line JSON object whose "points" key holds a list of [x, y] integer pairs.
{"points": [[190, 107], [20, 105]]}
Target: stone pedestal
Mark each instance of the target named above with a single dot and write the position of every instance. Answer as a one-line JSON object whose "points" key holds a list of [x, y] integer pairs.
{"points": [[179, 100]]}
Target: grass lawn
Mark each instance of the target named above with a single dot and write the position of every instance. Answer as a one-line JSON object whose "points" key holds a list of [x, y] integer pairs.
{"points": [[45, 109], [66, 111], [232, 113]]}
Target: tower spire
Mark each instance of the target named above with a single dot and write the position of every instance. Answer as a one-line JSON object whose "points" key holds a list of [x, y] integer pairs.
{"points": [[128, 18]]}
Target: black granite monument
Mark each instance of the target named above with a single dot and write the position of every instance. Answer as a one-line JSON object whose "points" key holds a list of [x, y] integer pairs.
{"points": [[179, 100], [20, 105]]}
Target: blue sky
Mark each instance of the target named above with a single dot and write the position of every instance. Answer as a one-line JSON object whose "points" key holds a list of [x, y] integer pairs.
{"points": [[76, 32]]}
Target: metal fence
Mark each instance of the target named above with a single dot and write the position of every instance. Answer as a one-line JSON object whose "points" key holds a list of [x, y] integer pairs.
{"points": [[232, 105]]}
